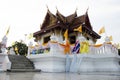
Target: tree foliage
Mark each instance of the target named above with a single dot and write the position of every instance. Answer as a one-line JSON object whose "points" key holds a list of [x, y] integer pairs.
{"points": [[20, 48]]}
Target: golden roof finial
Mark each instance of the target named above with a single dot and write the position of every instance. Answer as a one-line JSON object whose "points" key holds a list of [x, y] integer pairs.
{"points": [[76, 8], [87, 9], [56, 8]]}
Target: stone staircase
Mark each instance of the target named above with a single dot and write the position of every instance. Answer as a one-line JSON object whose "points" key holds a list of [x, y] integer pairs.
{"points": [[21, 64]]}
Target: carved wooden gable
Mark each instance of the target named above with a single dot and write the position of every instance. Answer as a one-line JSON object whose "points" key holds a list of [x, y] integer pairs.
{"points": [[50, 19]]}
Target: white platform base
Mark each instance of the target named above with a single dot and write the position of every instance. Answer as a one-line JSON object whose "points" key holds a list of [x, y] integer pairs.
{"points": [[49, 63], [97, 63], [85, 62]]}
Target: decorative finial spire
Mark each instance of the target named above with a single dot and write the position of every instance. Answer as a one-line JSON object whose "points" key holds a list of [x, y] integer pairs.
{"points": [[76, 8], [56, 8], [87, 9], [40, 26], [47, 6], [48, 11]]}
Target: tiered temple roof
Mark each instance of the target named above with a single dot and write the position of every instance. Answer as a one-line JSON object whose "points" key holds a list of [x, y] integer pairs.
{"points": [[59, 21]]}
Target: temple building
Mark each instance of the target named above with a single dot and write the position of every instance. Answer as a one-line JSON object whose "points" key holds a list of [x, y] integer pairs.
{"points": [[58, 55], [58, 23]]}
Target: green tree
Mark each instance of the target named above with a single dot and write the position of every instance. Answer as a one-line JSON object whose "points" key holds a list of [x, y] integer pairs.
{"points": [[20, 48]]}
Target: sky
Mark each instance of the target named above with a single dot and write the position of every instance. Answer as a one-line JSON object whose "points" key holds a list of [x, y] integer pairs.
{"points": [[26, 16]]}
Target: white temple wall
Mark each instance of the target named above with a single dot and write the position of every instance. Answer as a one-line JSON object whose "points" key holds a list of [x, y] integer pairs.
{"points": [[99, 63], [59, 35]]}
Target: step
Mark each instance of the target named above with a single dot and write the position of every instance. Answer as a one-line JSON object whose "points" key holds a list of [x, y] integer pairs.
{"points": [[23, 70], [18, 59], [21, 62], [23, 65], [16, 67]]}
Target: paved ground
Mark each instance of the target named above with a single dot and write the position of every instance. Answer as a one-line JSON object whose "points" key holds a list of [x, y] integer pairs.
{"points": [[58, 76]]}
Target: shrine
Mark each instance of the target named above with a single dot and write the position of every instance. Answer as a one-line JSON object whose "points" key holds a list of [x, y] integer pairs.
{"points": [[82, 55]]}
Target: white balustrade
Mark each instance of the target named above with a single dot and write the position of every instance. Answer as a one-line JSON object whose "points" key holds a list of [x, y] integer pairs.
{"points": [[103, 49]]}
